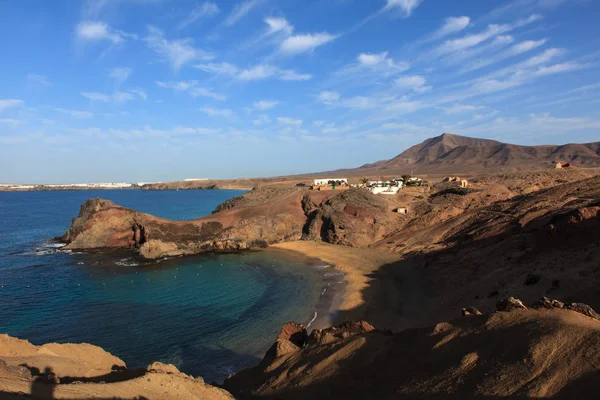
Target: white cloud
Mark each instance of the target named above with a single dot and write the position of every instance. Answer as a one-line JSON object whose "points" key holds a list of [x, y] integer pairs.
{"points": [[203, 92], [403, 107], [117, 97], [262, 120], [290, 121], [8, 103], [265, 104], [192, 88], [451, 26], [205, 10], [176, 52], [218, 68], [461, 108], [329, 97], [257, 72], [413, 82], [75, 113], [10, 121], [305, 43], [377, 63], [140, 93], [469, 41], [513, 51], [95, 96], [179, 86], [559, 68], [542, 58], [122, 97], [406, 6], [526, 46], [291, 75], [217, 112], [120, 75], [36, 80], [240, 11], [279, 25], [99, 31]]}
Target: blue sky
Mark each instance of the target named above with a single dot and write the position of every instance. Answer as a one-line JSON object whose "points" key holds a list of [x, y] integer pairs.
{"points": [[154, 90]]}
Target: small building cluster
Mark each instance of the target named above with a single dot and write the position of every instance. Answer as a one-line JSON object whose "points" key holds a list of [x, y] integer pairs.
{"points": [[330, 184], [463, 182]]}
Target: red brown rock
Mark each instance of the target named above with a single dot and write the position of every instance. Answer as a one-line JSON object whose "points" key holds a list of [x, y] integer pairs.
{"points": [[510, 304], [294, 332], [338, 332]]}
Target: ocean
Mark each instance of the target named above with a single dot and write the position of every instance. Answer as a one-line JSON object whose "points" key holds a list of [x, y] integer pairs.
{"points": [[210, 315]]}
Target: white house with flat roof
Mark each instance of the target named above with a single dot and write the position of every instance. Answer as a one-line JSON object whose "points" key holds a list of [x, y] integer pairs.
{"points": [[325, 181]]}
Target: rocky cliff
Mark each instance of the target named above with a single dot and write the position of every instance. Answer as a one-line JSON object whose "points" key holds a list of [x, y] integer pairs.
{"points": [[256, 219], [541, 351]]}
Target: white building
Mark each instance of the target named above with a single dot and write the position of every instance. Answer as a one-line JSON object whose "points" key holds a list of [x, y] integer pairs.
{"points": [[195, 179], [385, 190], [325, 181]]}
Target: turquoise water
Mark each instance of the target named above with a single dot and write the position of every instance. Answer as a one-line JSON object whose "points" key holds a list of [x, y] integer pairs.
{"points": [[209, 315]]}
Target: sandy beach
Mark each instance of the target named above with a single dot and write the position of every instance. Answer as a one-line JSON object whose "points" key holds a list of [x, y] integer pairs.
{"points": [[358, 265]]}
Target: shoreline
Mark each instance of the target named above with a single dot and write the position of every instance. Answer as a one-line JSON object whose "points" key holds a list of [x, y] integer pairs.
{"points": [[347, 299]]}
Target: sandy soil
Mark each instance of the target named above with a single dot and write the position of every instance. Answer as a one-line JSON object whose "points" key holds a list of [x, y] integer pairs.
{"points": [[356, 263]]}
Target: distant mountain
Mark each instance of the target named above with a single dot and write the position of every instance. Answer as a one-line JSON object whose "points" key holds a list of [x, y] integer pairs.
{"points": [[448, 154]]}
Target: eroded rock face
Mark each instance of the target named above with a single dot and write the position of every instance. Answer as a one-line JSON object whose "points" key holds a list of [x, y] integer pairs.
{"points": [[353, 218], [470, 311], [338, 332], [294, 332], [510, 304]]}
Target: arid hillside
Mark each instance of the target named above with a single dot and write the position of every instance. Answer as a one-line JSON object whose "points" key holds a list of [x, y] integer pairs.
{"points": [[523, 352], [454, 154]]}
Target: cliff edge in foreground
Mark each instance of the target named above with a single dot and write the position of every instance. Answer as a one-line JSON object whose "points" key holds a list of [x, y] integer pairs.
{"points": [[549, 351]]}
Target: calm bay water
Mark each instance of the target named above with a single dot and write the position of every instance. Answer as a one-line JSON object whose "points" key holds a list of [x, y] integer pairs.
{"points": [[209, 315]]}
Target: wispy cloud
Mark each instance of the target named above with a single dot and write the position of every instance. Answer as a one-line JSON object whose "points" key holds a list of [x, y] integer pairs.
{"points": [[140, 93], [329, 97], [192, 88], [413, 82], [305, 43], [205, 10], [265, 104], [8, 103], [279, 24], [11, 121], [75, 113], [253, 73], [451, 26], [176, 52], [290, 121], [515, 50], [461, 109], [119, 75], [116, 97], [471, 40], [240, 11], [405, 6], [37, 80], [99, 31], [217, 112]]}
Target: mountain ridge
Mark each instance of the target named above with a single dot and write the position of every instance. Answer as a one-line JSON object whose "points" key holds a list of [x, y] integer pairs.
{"points": [[450, 153]]}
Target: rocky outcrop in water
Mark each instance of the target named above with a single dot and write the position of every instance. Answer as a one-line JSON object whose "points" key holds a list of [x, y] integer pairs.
{"points": [[256, 219]]}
